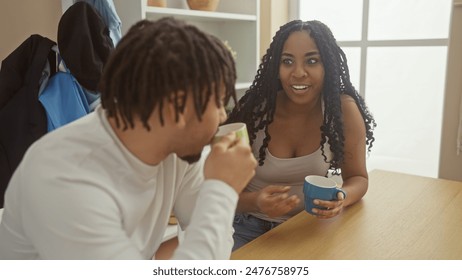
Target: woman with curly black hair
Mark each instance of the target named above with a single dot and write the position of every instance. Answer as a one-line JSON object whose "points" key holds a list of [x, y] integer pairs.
{"points": [[304, 117]]}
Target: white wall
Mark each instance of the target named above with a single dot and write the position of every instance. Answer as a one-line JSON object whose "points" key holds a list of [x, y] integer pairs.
{"points": [[20, 19], [273, 14]]}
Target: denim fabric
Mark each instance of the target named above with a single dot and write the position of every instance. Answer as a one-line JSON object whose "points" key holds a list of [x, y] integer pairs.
{"points": [[63, 108], [248, 227], [108, 12]]}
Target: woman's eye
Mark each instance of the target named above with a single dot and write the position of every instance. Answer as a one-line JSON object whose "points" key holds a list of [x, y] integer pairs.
{"points": [[287, 61], [312, 60]]}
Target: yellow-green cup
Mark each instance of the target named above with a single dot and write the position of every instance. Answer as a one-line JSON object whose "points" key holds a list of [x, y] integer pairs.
{"points": [[239, 128]]}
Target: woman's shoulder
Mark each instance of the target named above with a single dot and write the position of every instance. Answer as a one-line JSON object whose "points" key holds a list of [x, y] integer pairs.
{"points": [[346, 98], [351, 113], [348, 103]]}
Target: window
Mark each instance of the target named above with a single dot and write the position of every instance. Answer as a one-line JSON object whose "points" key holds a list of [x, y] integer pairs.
{"points": [[397, 54]]}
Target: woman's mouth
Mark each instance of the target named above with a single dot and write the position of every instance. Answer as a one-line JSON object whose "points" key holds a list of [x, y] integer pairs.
{"points": [[300, 87]]}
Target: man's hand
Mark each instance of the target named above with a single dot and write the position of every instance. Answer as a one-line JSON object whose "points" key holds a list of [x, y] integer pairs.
{"points": [[231, 161]]}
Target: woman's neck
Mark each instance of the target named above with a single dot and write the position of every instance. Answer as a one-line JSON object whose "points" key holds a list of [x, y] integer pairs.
{"points": [[285, 108]]}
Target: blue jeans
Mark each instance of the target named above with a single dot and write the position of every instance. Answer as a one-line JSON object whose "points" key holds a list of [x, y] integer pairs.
{"points": [[248, 227]]}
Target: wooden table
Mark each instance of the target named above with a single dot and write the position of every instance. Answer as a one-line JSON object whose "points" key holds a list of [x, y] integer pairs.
{"points": [[401, 217]]}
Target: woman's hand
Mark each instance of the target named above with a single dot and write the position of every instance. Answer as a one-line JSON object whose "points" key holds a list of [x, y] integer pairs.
{"points": [[334, 207], [274, 201]]}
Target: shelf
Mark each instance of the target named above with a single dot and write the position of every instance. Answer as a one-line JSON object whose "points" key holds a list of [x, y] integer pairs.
{"points": [[234, 21], [186, 14]]}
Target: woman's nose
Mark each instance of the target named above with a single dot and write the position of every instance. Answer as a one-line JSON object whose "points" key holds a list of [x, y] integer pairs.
{"points": [[300, 72]]}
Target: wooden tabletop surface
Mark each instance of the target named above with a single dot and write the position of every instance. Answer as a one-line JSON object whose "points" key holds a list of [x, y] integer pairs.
{"points": [[401, 217]]}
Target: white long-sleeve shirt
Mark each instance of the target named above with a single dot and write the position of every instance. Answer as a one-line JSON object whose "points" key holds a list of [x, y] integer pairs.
{"points": [[80, 194]]}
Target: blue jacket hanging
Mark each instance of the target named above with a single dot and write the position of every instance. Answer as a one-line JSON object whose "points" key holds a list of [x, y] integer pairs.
{"points": [[64, 100], [108, 12]]}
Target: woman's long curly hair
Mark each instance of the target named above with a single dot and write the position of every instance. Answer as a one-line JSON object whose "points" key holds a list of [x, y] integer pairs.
{"points": [[256, 108], [155, 62]]}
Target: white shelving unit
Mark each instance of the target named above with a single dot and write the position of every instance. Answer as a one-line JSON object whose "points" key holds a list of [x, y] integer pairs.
{"points": [[235, 21]]}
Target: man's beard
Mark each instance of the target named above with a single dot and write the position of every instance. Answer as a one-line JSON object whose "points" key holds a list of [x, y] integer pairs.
{"points": [[192, 158]]}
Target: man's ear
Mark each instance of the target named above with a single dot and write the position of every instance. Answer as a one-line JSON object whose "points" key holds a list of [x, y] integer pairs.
{"points": [[176, 106]]}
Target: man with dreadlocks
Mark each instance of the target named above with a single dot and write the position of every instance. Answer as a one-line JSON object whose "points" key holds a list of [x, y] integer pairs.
{"points": [[304, 117], [103, 187]]}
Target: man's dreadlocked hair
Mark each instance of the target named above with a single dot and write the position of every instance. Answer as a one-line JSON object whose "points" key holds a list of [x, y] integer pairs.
{"points": [[155, 62], [256, 108]]}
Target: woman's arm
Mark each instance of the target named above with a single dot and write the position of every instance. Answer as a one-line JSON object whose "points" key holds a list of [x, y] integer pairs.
{"points": [[354, 172]]}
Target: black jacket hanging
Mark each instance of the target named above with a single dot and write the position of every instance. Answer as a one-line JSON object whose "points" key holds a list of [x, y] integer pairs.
{"points": [[22, 117]]}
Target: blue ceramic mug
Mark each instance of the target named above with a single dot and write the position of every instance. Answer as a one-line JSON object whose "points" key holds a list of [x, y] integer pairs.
{"points": [[319, 187]]}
